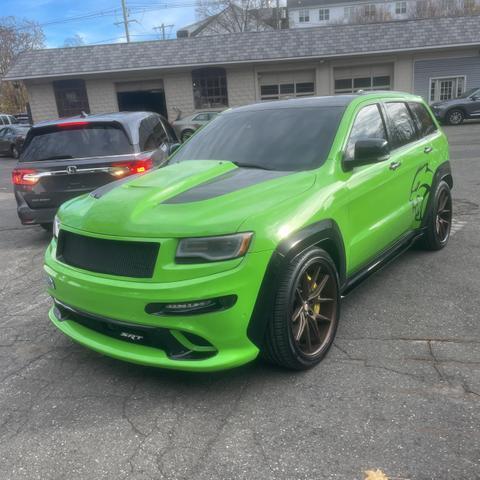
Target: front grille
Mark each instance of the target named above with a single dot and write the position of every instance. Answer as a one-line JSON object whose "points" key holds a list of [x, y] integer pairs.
{"points": [[113, 257], [156, 337]]}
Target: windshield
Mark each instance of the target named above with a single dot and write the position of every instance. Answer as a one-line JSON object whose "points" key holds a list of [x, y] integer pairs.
{"points": [[88, 141], [285, 139], [468, 93]]}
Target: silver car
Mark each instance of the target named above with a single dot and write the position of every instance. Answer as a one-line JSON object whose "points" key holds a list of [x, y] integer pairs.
{"points": [[186, 126]]}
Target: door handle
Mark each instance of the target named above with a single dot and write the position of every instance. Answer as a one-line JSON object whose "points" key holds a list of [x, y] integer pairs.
{"points": [[395, 165], [428, 150]]}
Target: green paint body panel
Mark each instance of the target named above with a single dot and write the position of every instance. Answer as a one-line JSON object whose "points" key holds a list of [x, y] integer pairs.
{"points": [[372, 205]]}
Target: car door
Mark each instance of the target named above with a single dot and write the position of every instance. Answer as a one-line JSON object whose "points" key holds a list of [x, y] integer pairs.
{"points": [[409, 159], [374, 209], [4, 144], [472, 104]]}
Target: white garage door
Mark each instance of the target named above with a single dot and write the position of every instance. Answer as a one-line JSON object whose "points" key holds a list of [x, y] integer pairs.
{"points": [[372, 77], [278, 85]]}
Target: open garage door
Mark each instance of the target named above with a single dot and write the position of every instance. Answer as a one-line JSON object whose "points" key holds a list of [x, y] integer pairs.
{"points": [[142, 96]]}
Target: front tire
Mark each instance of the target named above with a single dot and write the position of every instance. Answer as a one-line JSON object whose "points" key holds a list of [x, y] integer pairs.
{"points": [[455, 117], [306, 312], [439, 221], [14, 152]]}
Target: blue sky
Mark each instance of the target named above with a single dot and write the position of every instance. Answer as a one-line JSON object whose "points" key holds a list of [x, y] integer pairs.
{"points": [[100, 28]]}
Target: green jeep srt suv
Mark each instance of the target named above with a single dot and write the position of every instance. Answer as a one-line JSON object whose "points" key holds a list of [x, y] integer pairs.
{"points": [[247, 240]]}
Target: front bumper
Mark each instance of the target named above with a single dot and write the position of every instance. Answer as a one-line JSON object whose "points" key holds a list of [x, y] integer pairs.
{"points": [[124, 301]]}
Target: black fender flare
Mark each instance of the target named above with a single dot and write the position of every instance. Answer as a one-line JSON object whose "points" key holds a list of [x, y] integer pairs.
{"points": [[324, 234], [443, 172]]}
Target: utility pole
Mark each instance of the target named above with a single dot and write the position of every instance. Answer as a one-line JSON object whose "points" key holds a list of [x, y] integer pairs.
{"points": [[162, 28], [126, 21]]}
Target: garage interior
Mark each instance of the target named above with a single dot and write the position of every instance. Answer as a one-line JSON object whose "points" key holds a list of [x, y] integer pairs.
{"points": [[142, 96]]}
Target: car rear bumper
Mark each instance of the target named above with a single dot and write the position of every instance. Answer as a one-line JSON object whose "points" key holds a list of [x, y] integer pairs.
{"points": [[123, 303], [33, 216]]}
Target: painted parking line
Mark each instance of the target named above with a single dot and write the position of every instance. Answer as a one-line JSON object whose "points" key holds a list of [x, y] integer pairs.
{"points": [[457, 225]]}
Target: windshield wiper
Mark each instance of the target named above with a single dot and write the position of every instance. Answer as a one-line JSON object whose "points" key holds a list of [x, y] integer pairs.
{"points": [[251, 165], [57, 157]]}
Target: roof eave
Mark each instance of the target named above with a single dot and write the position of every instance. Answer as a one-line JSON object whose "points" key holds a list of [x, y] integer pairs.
{"points": [[242, 62]]}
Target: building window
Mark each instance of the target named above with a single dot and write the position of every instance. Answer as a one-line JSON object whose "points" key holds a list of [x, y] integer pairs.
{"points": [[446, 88], [324, 14], [349, 12], [400, 8], [71, 97], [371, 78], [282, 85], [210, 88], [370, 11], [304, 15]]}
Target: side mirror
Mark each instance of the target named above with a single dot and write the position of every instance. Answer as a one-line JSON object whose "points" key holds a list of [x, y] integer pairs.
{"points": [[474, 98], [368, 151], [173, 147]]}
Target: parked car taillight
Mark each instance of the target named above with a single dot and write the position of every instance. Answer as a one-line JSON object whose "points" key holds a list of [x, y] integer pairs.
{"points": [[140, 165], [24, 176]]}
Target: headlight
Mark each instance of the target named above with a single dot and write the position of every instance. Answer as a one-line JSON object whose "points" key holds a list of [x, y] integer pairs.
{"points": [[56, 227], [213, 249]]}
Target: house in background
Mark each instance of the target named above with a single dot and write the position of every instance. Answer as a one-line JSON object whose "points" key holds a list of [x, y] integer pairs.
{"points": [[315, 13], [437, 58], [234, 19]]}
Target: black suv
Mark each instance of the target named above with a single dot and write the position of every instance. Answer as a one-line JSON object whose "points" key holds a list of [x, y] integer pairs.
{"points": [[455, 111], [65, 158]]}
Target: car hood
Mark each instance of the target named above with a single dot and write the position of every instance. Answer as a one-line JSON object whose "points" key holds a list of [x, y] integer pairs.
{"points": [[448, 103], [192, 198]]}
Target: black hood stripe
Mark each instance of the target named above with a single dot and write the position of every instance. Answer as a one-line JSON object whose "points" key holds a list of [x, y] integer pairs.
{"points": [[226, 183]]}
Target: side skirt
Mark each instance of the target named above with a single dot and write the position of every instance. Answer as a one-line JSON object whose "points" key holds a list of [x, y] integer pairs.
{"points": [[381, 261]]}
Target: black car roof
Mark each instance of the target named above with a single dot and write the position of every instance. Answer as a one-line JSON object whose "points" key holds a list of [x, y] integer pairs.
{"points": [[329, 101]]}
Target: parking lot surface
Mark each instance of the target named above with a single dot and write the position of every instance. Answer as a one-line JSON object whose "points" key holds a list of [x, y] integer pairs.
{"points": [[399, 391]]}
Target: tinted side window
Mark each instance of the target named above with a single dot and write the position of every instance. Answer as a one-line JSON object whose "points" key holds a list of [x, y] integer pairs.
{"points": [[368, 124], [403, 128], [152, 134], [423, 119], [202, 117]]}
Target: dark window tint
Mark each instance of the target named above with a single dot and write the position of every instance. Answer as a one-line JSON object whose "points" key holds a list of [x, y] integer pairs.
{"points": [[289, 139], [210, 87], [71, 97], [422, 118], [368, 124], [287, 88], [91, 141], [269, 90], [152, 133], [403, 129], [201, 117]]}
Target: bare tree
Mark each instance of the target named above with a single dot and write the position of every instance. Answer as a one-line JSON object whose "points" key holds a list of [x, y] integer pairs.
{"points": [[434, 8], [75, 41], [230, 16], [16, 36]]}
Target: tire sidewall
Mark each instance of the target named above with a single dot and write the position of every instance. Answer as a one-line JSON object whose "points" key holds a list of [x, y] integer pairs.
{"points": [[309, 257], [15, 152], [186, 134], [456, 110], [439, 244]]}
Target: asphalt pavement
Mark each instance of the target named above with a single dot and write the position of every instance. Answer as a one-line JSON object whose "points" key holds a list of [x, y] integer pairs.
{"points": [[399, 391]]}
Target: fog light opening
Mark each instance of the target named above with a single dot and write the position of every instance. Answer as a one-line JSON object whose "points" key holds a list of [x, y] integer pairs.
{"points": [[194, 307]]}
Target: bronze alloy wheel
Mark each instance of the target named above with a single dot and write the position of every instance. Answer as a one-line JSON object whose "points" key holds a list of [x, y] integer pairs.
{"points": [[314, 308], [443, 220]]}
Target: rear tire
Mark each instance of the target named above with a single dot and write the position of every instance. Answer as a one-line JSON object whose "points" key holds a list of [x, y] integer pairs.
{"points": [[439, 221], [455, 117], [305, 313], [186, 134]]}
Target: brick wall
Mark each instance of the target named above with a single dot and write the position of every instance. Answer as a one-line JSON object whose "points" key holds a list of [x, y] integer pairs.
{"points": [[42, 101], [102, 96], [178, 93], [241, 86]]}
